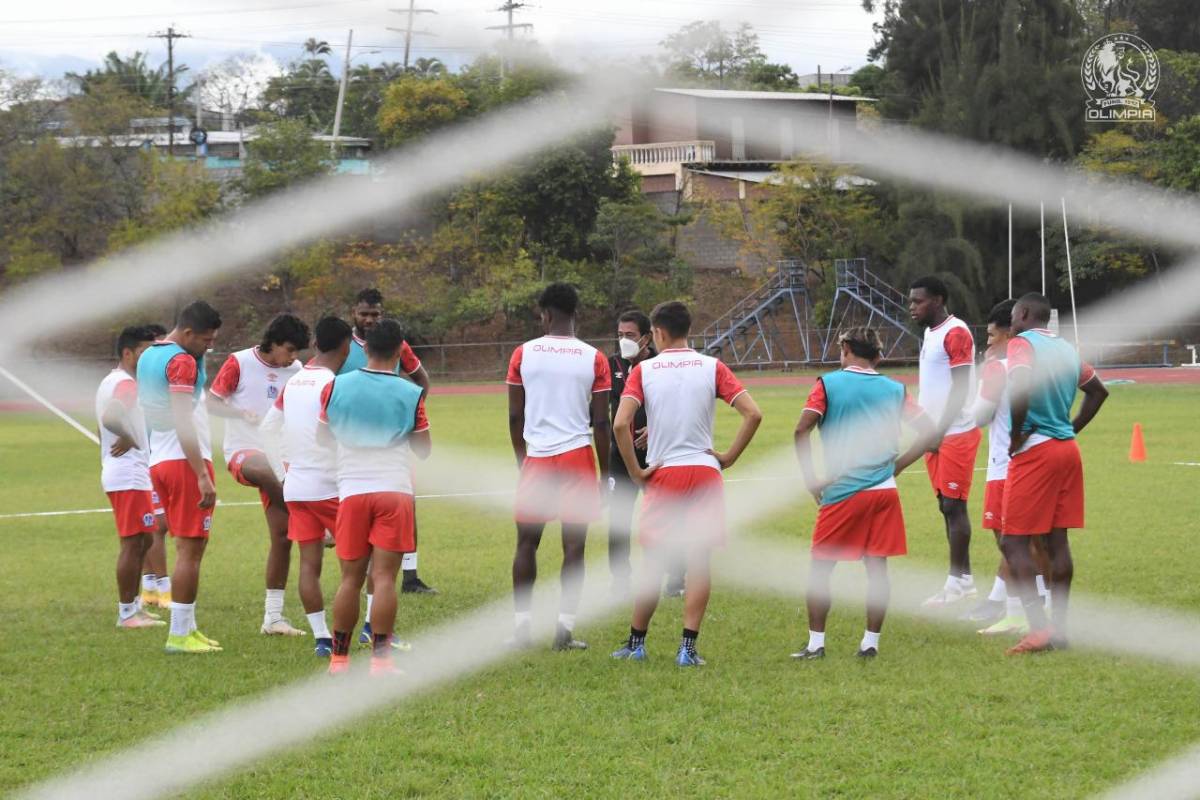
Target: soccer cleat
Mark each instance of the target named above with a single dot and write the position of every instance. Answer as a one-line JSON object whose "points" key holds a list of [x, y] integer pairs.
{"points": [[950, 596], [809, 655], [140, 620], [149, 597], [627, 653], [867, 653], [205, 639], [339, 664], [399, 645], [985, 612], [324, 648], [687, 658], [565, 640], [280, 627], [1039, 641], [383, 667], [365, 636], [149, 614], [188, 645], [415, 585], [1009, 626]]}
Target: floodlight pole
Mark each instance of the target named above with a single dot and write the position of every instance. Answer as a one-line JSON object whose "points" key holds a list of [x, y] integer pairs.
{"points": [[1070, 274]]}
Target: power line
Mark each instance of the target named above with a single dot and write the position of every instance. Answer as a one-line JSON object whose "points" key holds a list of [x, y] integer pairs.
{"points": [[170, 35], [407, 30], [203, 12], [508, 8]]}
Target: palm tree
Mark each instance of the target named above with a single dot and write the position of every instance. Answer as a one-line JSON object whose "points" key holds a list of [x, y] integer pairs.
{"points": [[132, 74], [428, 67], [317, 47]]}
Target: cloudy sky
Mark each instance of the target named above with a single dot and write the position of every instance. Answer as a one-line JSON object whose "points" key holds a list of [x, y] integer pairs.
{"points": [[51, 36]]}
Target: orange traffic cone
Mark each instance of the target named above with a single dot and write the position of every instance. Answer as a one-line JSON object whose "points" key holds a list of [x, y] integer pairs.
{"points": [[1137, 445]]}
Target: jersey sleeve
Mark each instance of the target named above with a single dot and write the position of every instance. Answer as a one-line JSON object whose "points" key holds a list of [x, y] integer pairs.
{"points": [[227, 379], [182, 374], [514, 368], [1086, 372], [603, 379], [326, 393], [991, 387], [960, 347], [422, 421], [633, 385], [279, 400], [728, 386], [817, 401], [1020, 354], [409, 362], [125, 393]]}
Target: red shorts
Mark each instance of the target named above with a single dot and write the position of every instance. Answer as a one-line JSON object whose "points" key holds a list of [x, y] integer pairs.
{"points": [[685, 505], [309, 519], [868, 523], [134, 511], [993, 505], [158, 506], [176, 486], [235, 469], [563, 487], [378, 519], [952, 467], [1044, 490]]}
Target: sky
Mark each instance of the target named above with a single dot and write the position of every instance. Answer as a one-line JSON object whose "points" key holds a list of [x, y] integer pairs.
{"points": [[52, 36]]}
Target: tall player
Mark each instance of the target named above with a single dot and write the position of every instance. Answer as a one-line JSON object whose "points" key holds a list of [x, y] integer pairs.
{"points": [[1043, 495], [125, 473], [170, 378], [245, 387], [557, 389], [310, 488], [378, 420], [859, 413], [368, 310], [156, 581], [947, 380]]}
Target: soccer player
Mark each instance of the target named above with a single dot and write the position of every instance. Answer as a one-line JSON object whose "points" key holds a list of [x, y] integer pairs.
{"points": [[859, 413], [310, 488], [245, 387], [683, 511], [125, 473], [947, 379], [558, 387], [156, 581], [170, 379], [1043, 495], [368, 310], [378, 419]]}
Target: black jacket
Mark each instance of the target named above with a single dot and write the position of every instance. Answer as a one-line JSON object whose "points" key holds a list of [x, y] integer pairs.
{"points": [[620, 372]]}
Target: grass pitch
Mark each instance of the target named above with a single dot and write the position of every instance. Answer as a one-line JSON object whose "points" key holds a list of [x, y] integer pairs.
{"points": [[940, 713]]}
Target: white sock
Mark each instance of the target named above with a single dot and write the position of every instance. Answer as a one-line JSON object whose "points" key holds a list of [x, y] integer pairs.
{"points": [[951, 582], [523, 618], [869, 640], [408, 561], [566, 620], [164, 584], [816, 640], [126, 610], [1013, 606], [1046, 599], [1041, 586], [370, 602], [967, 582], [273, 606], [148, 583], [316, 621], [183, 618], [999, 591]]}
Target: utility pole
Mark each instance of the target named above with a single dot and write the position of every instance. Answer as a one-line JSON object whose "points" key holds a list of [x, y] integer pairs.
{"points": [[337, 115], [170, 35], [407, 30], [509, 7]]}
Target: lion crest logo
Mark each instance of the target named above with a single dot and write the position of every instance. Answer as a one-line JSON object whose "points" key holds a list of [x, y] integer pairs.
{"points": [[1120, 73]]}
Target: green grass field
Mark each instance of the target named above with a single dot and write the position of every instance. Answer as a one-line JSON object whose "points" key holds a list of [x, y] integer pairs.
{"points": [[940, 713]]}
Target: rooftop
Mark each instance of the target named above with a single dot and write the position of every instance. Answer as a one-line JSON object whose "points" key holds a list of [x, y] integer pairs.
{"points": [[737, 94]]}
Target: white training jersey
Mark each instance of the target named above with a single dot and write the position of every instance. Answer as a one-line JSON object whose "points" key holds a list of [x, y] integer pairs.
{"points": [[560, 374], [945, 347], [248, 383], [679, 389], [993, 389], [132, 470], [310, 468]]}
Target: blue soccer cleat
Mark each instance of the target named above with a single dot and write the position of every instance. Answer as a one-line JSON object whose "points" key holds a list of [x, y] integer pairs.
{"points": [[684, 658], [365, 636], [324, 648], [627, 653]]}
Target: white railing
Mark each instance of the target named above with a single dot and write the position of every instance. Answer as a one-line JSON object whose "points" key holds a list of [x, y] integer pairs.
{"points": [[698, 152]]}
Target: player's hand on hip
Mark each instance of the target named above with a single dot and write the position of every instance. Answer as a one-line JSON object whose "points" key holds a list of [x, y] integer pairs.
{"points": [[640, 438], [208, 492], [817, 490], [724, 459], [642, 476], [1016, 441], [121, 446]]}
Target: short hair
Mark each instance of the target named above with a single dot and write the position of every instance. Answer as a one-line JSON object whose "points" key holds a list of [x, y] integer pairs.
{"points": [[331, 332], [384, 340], [158, 330], [1001, 314], [372, 297], [559, 296], [639, 318], [199, 316], [286, 329], [134, 335], [673, 317], [863, 342], [1038, 304], [933, 285]]}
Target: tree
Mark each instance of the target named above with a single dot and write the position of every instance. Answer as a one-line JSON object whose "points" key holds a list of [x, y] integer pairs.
{"points": [[1171, 24], [133, 75], [306, 91], [704, 52], [413, 107], [428, 67], [316, 47], [236, 85], [869, 80], [282, 153], [631, 235]]}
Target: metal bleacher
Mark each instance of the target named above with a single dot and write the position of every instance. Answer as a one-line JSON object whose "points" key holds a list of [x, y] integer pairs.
{"points": [[863, 298], [758, 329]]}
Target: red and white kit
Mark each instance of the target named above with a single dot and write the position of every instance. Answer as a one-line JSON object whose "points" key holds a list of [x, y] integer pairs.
{"points": [[310, 482], [993, 390], [173, 478], [248, 383], [686, 495], [558, 479], [945, 347], [125, 478]]}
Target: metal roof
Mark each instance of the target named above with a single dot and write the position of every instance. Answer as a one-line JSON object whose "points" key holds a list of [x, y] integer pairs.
{"points": [[737, 94]]}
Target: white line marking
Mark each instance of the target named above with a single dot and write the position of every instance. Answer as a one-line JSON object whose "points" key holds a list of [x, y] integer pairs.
{"points": [[53, 409]]}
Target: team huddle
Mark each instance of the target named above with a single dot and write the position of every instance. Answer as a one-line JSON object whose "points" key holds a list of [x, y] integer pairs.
{"points": [[330, 445]]}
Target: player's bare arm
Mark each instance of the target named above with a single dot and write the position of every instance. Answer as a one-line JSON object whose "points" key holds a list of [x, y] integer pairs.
{"points": [[808, 421], [421, 378], [219, 407], [421, 444], [1019, 385], [189, 442], [925, 435], [516, 421], [751, 418], [623, 433], [116, 420], [1094, 395], [984, 412], [960, 386], [600, 431]]}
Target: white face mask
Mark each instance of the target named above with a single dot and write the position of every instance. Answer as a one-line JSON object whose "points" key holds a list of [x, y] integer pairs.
{"points": [[629, 347]]}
